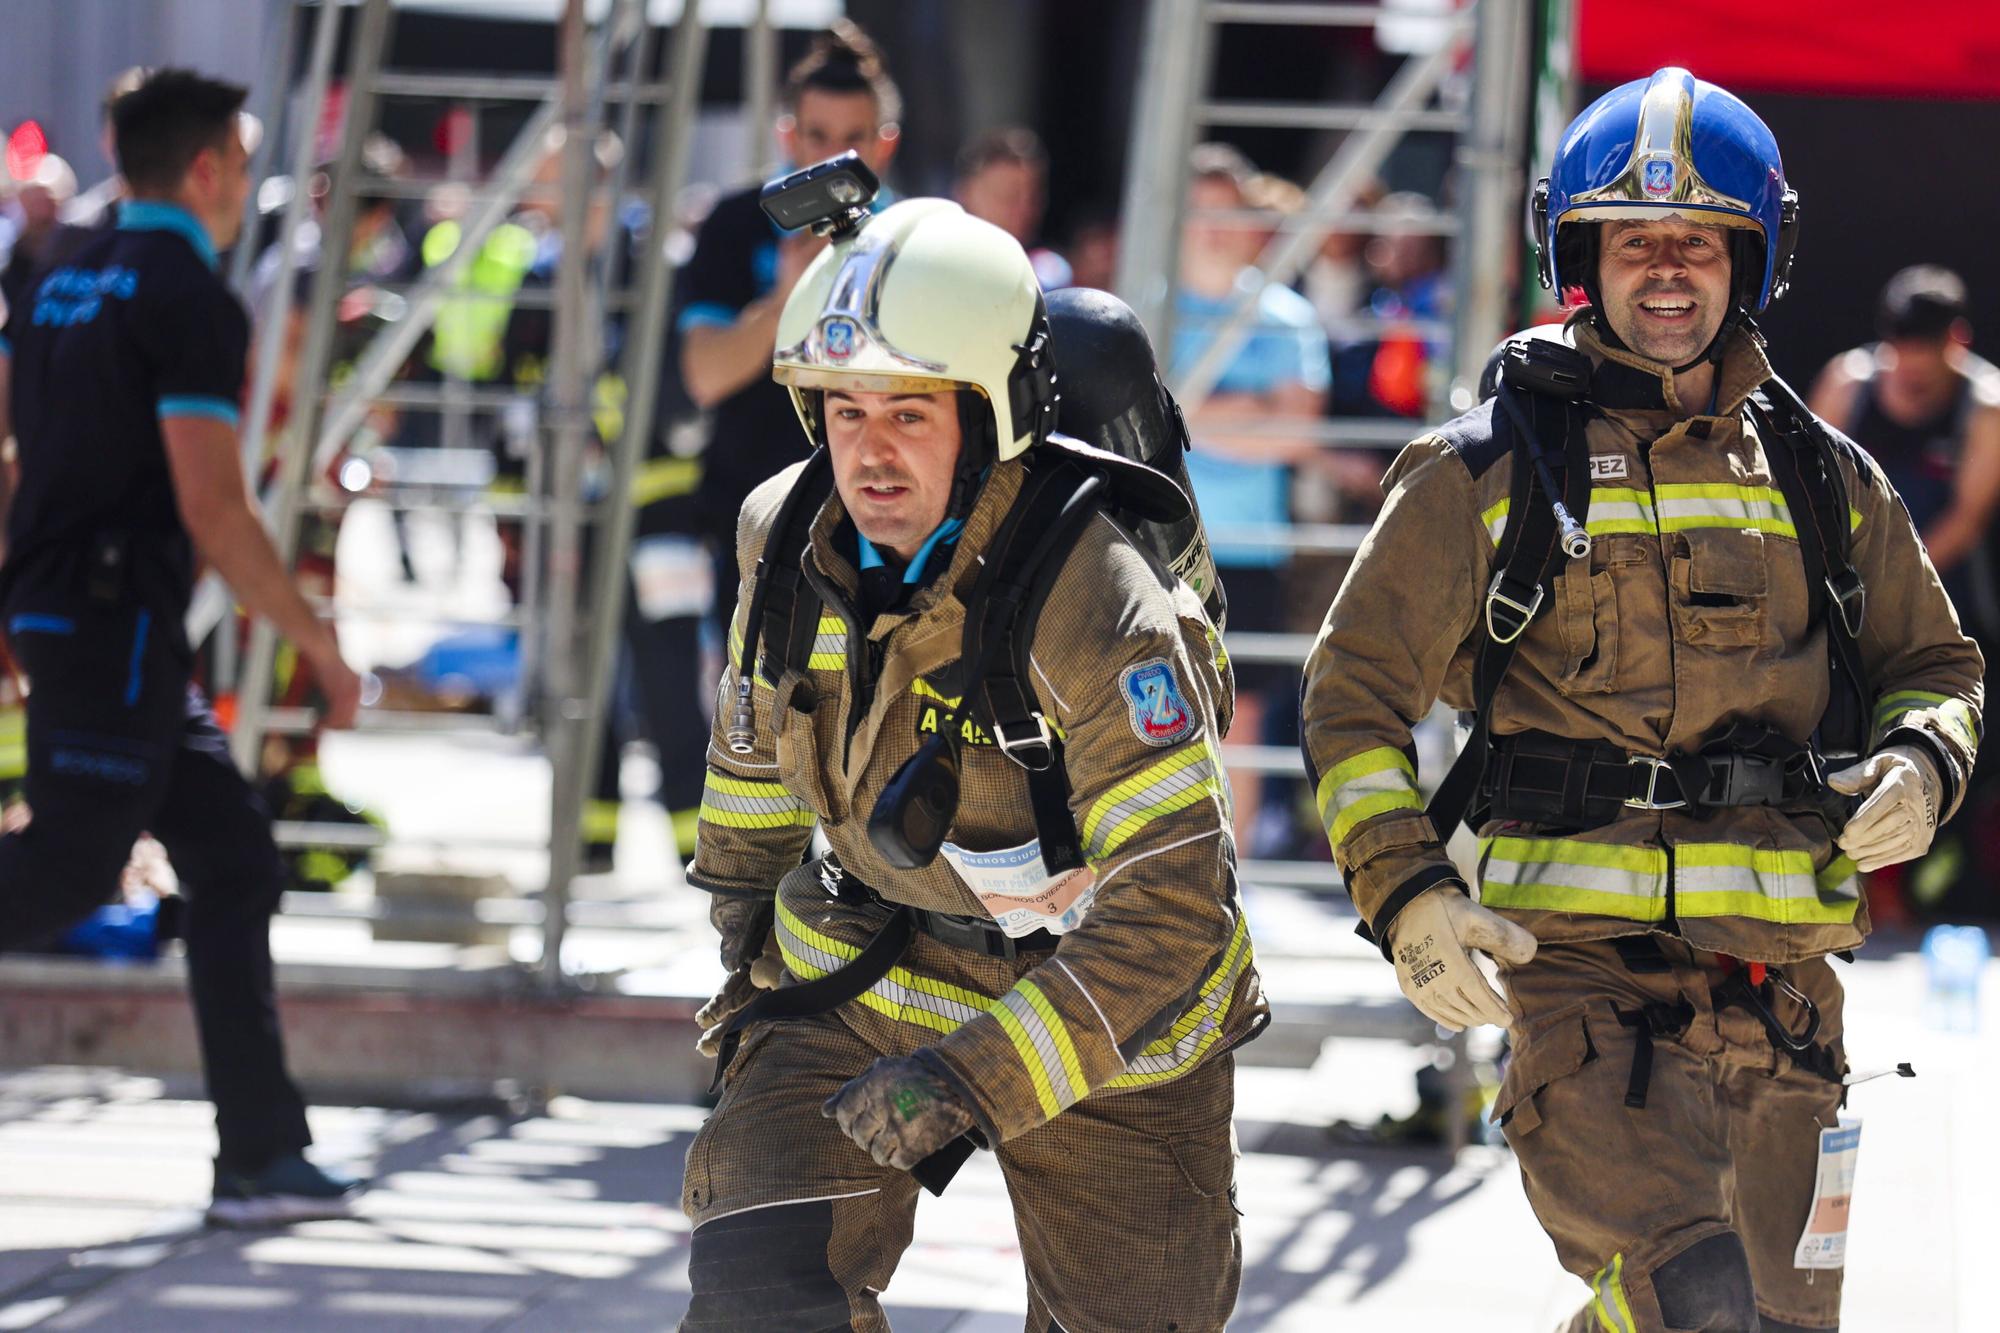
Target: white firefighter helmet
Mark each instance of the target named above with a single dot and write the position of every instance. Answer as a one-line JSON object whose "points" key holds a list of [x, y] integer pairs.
{"points": [[922, 298]]}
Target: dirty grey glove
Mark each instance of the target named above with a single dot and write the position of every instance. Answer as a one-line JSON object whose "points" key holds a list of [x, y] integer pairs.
{"points": [[1432, 940], [750, 952], [901, 1111]]}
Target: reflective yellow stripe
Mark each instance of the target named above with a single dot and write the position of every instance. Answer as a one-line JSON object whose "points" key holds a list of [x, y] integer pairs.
{"points": [[1566, 875], [923, 689], [736, 656], [1365, 786], [829, 650], [1025, 1012], [1607, 1297], [683, 824], [1183, 1045], [1043, 1044], [1953, 715], [600, 821], [1613, 510], [1724, 505], [1180, 780], [664, 478], [1728, 879], [741, 803], [13, 742], [902, 995]]}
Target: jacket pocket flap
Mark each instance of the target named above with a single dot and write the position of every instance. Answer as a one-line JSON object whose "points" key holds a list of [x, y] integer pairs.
{"points": [[1726, 561], [1553, 1051]]}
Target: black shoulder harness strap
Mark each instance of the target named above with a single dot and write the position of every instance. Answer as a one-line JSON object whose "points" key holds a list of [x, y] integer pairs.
{"points": [[1807, 469], [1004, 607], [1526, 564]]}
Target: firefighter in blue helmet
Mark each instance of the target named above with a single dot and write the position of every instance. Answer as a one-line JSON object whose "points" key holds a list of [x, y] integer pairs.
{"points": [[1712, 676]]}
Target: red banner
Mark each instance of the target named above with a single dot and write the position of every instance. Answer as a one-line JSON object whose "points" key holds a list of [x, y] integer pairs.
{"points": [[1841, 48]]}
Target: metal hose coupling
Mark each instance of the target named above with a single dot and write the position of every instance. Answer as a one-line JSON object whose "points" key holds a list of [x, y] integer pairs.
{"points": [[1575, 540], [740, 736]]}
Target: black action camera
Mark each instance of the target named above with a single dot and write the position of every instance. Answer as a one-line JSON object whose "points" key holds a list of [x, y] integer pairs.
{"points": [[831, 197]]}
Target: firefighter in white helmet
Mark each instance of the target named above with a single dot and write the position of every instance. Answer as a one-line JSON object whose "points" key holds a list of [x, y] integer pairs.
{"points": [[1003, 712]]}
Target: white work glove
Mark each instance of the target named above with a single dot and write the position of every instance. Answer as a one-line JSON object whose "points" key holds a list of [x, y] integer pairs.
{"points": [[1900, 816], [1430, 942]]}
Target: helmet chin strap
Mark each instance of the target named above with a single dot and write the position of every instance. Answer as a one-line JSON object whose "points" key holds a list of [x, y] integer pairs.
{"points": [[976, 451]]}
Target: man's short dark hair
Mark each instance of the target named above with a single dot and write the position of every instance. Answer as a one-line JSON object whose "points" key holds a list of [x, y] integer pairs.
{"points": [[1922, 301], [160, 127], [1013, 145], [844, 60]]}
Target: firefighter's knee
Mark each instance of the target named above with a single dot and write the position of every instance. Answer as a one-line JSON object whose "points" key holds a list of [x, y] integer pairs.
{"points": [[766, 1270], [1706, 1288]]}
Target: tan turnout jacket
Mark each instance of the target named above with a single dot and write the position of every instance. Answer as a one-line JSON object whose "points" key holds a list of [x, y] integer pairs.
{"points": [[1158, 976], [1689, 614]]}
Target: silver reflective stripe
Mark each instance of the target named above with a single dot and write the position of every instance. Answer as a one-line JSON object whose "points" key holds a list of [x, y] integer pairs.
{"points": [[1048, 1055]]}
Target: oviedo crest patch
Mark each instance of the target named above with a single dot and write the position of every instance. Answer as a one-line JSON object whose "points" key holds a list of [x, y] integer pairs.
{"points": [[1160, 714]]}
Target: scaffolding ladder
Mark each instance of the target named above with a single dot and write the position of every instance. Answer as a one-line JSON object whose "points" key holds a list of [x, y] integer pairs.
{"points": [[602, 83]]}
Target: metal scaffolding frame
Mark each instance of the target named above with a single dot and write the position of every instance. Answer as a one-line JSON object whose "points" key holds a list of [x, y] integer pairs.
{"points": [[578, 611], [1174, 101]]}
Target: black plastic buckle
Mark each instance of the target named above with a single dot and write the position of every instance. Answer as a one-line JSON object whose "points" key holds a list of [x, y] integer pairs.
{"points": [[1515, 614], [965, 933], [1851, 596]]}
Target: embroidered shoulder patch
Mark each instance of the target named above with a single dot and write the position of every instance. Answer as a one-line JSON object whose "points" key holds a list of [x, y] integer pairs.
{"points": [[1160, 715]]}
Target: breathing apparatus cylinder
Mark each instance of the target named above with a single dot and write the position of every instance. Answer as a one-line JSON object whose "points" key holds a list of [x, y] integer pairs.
{"points": [[1112, 398]]}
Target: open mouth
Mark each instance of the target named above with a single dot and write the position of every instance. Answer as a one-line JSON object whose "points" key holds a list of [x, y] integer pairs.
{"points": [[1667, 307], [884, 492]]}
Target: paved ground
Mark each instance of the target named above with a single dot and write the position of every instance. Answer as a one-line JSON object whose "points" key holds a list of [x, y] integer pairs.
{"points": [[564, 1220]]}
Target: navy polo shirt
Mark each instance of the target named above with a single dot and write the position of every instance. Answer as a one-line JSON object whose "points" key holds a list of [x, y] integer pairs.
{"points": [[132, 328]]}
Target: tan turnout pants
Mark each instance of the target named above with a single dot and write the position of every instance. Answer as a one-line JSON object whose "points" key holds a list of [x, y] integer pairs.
{"points": [[1723, 1150], [1124, 1204]]}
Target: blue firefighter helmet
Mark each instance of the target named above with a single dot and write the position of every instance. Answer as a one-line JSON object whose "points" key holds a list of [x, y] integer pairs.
{"points": [[1669, 144]]}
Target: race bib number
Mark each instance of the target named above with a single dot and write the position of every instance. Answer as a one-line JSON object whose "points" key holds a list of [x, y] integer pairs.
{"points": [[1824, 1244], [1018, 892], [671, 576]]}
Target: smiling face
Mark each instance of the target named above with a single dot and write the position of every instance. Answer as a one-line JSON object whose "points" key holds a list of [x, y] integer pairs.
{"points": [[826, 124], [894, 456], [1665, 285]]}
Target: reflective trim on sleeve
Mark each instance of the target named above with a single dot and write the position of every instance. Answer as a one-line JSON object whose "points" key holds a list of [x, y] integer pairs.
{"points": [[1567, 875], [664, 478], [1180, 780], [902, 995], [1607, 1297], [1044, 1046], [1183, 1045], [1369, 784], [199, 405], [1954, 715], [742, 803]]}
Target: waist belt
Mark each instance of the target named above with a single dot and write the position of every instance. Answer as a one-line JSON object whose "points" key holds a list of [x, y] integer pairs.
{"points": [[1544, 779], [804, 999]]}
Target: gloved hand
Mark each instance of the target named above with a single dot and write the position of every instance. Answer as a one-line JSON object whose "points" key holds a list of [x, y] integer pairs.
{"points": [[1429, 942], [1899, 817], [900, 1111], [750, 952]]}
